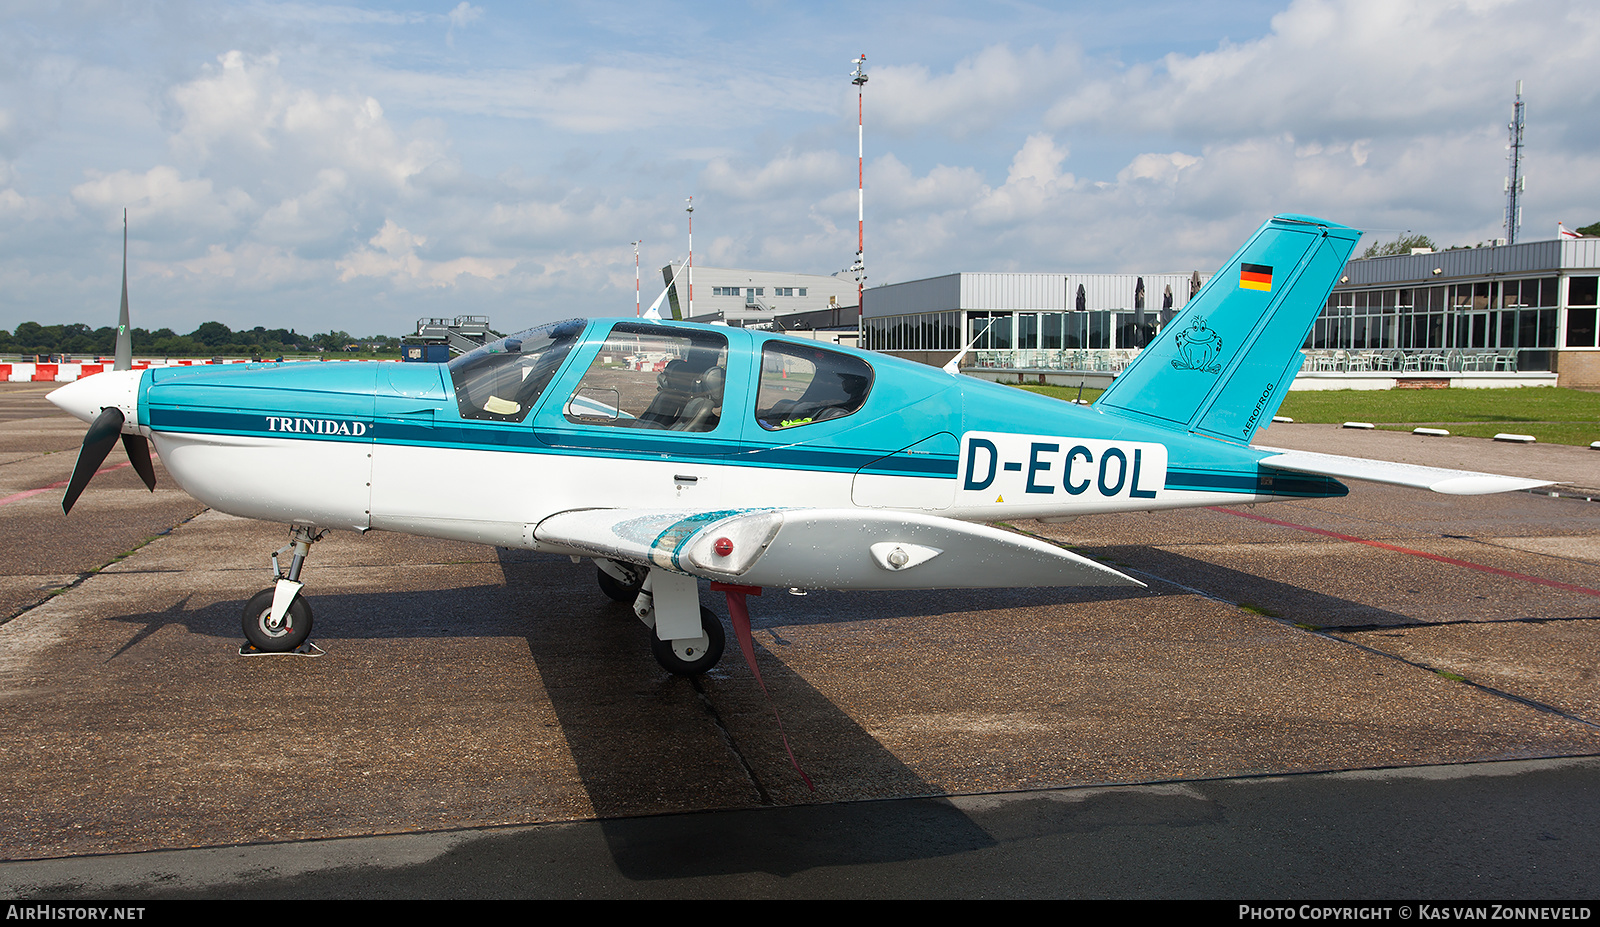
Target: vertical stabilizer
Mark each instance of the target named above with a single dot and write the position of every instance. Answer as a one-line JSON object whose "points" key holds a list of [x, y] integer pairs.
{"points": [[1222, 365]]}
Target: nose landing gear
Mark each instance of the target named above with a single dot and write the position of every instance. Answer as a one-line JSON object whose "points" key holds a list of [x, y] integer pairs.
{"points": [[278, 620]]}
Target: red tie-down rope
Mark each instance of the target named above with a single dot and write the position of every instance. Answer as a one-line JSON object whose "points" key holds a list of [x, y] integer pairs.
{"points": [[739, 614]]}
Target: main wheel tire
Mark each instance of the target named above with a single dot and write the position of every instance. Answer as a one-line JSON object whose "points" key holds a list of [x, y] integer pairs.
{"points": [[692, 657], [616, 589], [290, 634]]}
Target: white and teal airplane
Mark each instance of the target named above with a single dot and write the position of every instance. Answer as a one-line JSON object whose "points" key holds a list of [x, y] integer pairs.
{"points": [[669, 452]]}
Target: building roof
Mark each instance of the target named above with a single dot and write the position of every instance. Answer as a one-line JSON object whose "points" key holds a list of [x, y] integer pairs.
{"points": [[1533, 257]]}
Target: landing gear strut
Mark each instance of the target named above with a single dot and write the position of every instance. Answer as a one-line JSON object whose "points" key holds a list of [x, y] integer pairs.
{"points": [[619, 581], [278, 620]]}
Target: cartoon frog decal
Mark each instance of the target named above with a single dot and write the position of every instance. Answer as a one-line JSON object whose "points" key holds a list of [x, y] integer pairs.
{"points": [[1198, 346]]}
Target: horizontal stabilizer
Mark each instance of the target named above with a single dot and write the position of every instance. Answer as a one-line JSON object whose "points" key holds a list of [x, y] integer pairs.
{"points": [[825, 549], [1449, 482]]}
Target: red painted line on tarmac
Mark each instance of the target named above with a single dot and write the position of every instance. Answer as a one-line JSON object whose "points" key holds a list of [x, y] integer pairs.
{"points": [[1415, 553], [17, 496]]}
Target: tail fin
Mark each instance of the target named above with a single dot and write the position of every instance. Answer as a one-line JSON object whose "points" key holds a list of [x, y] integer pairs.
{"points": [[1222, 365]]}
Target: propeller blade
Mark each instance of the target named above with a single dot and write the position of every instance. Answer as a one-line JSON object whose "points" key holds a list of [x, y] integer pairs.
{"points": [[97, 442], [138, 449]]}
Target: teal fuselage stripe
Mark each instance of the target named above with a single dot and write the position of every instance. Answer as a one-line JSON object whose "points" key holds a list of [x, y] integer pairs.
{"points": [[645, 446], [625, 443]]}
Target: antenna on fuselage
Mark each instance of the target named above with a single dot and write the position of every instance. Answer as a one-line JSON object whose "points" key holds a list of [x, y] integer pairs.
{"points": [[954, 366]]}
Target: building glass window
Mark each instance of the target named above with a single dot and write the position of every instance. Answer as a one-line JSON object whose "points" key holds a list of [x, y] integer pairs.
{"points": [[1582, 295]]}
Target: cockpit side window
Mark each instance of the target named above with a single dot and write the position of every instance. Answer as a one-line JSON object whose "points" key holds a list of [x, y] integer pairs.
{"points": [[502, 380], [651, 376], [801, 385]]}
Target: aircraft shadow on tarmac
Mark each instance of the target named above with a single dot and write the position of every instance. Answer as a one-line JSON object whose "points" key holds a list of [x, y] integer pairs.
{"points": [[1283, 600], [645, 742], [710, 743]]}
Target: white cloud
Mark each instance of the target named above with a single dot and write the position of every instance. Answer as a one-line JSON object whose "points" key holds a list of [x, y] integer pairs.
{"points": [[393, 255], [162, 195], [784, 175], [977, 93], [343, 166], [1332, 68], [244, 118]]}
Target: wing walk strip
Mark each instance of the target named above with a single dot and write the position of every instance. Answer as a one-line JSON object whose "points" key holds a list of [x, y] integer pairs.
{"points": [[1415, 553]]}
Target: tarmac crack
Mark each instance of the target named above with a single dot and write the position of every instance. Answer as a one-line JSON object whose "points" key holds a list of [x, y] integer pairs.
{"points": [[1334, 638], [710, 708], [1515, 549], [1362, 628], [1457, 677], [96, 571]]}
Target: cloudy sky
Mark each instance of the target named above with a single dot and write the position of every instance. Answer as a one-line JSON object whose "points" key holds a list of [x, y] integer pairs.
{"points": [[322, 166]]}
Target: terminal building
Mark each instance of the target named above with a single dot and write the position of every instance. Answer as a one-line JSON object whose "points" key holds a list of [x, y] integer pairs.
{"points": [[1050, 321], [754, 298], [1523, 308], [1499, 315]]}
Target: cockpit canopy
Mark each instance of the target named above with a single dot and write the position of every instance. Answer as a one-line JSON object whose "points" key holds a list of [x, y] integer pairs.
{"points": [[661, 377], [502, 380]]}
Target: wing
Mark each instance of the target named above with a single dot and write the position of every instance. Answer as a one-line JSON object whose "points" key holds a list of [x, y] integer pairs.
{"points": [[1449, 482], [824, 548]]}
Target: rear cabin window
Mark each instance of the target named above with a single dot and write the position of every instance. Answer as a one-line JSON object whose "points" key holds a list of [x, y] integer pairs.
{"points": [[801, 385], [502, 380], [648, 376]]}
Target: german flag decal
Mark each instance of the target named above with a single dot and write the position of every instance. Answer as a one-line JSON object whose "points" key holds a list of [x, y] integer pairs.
{"points": [[1255, 277]]}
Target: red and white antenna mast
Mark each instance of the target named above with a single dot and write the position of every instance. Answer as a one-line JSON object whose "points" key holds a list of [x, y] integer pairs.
{"points": [[636, 303], [690, 313], [859, 78]]}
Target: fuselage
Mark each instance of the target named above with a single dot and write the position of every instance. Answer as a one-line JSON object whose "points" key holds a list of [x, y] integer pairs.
{"points": [[725, 418]]}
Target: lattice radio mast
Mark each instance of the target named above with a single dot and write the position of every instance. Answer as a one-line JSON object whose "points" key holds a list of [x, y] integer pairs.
{"points": [[1516, 183]]}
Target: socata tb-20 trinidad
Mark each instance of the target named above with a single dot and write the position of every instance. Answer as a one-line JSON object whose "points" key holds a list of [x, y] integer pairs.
{"points": [[669, 452]]}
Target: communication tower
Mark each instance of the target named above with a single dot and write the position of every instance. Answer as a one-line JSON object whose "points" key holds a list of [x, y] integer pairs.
{"points": [[1516, 183]]}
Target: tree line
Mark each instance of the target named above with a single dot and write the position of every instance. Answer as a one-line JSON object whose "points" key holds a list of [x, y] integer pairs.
{"points": [[211, 338], [1404, 243]]}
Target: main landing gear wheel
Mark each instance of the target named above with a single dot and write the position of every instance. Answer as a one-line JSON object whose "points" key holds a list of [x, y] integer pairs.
{"points": [[692, 656], [287, 635], [616, 589]]}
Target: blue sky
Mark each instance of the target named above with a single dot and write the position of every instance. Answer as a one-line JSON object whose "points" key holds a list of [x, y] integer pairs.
{"points": [[357, 166]]}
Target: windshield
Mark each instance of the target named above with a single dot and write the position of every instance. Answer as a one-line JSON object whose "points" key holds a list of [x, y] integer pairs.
{"points": [[503, 379]]}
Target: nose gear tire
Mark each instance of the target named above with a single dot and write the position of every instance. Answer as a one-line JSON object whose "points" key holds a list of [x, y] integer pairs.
{"points": [[288, 635]]}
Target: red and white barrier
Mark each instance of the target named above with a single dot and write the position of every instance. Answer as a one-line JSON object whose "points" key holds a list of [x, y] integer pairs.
{"points": [[66, 372]]}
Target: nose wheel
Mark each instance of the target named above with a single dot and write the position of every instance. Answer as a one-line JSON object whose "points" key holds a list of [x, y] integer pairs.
{"points": [[281, 635]]}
